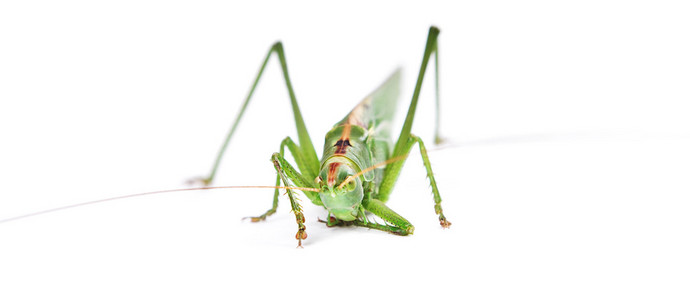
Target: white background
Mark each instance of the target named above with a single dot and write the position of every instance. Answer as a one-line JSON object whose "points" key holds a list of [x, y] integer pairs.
{"points": [[567, 175]]}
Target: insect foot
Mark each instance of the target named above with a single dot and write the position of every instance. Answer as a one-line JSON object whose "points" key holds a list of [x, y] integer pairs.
{"points": [[255, 219], [445, 223], [301, 235], [439, 140], [203, 181]]}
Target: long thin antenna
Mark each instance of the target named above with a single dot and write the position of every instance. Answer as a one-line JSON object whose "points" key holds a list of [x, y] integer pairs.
{"points": [[153, 193], [346, 181], [369, 169]]}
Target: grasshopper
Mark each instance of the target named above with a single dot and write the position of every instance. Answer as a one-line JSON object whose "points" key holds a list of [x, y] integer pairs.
{"points": [[349, 180]]}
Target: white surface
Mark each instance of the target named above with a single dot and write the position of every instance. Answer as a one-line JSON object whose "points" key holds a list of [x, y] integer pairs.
{"points": [[569, 179]]}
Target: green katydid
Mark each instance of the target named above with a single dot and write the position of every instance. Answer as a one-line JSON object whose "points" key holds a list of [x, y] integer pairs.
{"points": [[348, 180]]}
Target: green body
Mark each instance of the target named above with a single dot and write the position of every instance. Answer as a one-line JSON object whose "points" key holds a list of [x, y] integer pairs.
{"points": [[359, 142]]}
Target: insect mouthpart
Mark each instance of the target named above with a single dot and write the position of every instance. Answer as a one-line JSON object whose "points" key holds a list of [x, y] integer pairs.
{"points": [[343, 203]]}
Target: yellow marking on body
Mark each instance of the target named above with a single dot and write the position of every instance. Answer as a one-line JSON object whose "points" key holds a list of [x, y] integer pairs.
{"points": [[346, 132], [353, 118], [344, 141]]}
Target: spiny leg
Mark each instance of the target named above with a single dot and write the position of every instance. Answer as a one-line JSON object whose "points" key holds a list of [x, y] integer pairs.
{"points": [[407, 140], [432, 182], [285, 172], [307, 161], [333, 222], [392, 173], [400, 225]]}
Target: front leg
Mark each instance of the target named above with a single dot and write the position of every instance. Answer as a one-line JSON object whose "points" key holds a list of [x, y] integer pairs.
{"points": [[333, 222], [285, 172], [401, 226]]}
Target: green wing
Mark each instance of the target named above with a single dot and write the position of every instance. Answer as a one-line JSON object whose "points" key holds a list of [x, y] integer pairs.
{"points": [[384, 100], [377, 109], [374, 115]]}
